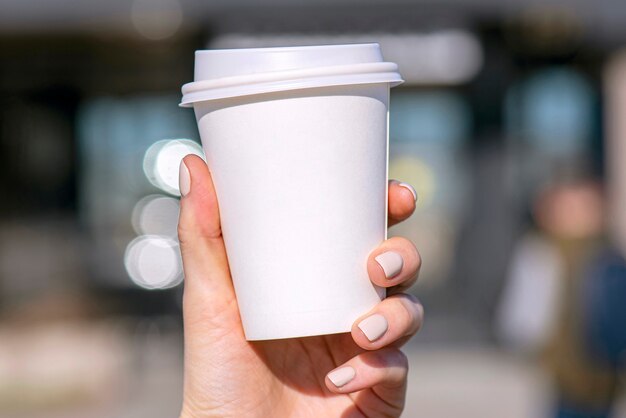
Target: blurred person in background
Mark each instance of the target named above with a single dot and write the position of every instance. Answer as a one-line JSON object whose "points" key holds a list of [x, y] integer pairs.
{"points": [[555, 298]]}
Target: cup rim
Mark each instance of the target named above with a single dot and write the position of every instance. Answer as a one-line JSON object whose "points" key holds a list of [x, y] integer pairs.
{"points": [[275, 81]]}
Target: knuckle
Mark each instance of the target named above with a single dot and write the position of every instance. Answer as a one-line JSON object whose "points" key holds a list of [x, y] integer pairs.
{"points": [[394, 367], [183, 234], [401, 360], [412, 313], [418, 258], [415, 255], [411, 298], [395, 358], [405, 313]]}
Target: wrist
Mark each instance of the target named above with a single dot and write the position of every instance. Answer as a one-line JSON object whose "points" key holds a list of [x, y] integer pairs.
{"points": [[191, 412], [188, 412], [185, 413]]}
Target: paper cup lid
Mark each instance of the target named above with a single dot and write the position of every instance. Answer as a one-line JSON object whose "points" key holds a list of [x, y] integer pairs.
{"points": [[223, 73]]}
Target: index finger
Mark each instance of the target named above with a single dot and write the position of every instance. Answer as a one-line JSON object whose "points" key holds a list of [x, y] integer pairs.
{"points": [[401, 201]]}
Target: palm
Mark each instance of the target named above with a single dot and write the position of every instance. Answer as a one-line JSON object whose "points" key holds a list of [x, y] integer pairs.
{"points": [[288, 372]]}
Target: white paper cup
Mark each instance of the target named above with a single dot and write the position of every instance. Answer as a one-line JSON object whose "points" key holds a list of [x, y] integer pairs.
{"points": [[296, 140]]}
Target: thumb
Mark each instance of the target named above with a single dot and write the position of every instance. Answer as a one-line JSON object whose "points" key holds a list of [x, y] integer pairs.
{"points": [[207, 277]]}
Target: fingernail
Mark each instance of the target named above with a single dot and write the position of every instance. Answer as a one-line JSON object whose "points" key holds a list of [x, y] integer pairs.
{"points": [[340, 377], [391, 262], [184, 179], [373, 326], [410, 188]]}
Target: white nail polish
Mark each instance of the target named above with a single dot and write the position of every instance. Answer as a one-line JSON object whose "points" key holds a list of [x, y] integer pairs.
{"points": [[340, 377], [391, 262], [410, 188], [374, 326], [184, 179]]}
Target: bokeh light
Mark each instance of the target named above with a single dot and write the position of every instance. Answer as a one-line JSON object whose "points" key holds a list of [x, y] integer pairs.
{"points": [[552, 110], [419, 174], [162, 161], [156, 19], [156, 215], [153, 262]]}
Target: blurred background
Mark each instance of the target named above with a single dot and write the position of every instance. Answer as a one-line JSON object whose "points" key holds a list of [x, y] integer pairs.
{"points": [[511, 125]]}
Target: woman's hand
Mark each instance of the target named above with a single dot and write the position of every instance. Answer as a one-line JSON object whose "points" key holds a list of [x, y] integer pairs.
{"points": [[360, 374]]}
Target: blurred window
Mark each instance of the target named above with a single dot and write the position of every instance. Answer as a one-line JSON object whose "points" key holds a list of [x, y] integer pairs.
{"points": [[131, 148], [428, 133], [552, 111]]}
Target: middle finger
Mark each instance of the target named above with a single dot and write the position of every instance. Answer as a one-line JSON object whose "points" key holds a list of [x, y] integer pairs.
{"points": [[395, 262], [394, 320]]}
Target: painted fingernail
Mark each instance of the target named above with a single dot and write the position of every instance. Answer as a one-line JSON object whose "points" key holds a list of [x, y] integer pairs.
{"points": [[184, 179], [341, 376], [410, 188], [391, 262], [374, 326]]}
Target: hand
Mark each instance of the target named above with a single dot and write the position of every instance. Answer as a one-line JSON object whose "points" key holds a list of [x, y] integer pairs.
{"points": [[227, 376]]}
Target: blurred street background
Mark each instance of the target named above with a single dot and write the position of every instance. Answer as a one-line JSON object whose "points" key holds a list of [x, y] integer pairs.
{"points": [[511, 125]]}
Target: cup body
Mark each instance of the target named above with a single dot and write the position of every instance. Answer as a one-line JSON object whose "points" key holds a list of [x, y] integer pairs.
{"points": [[301, 180]]}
